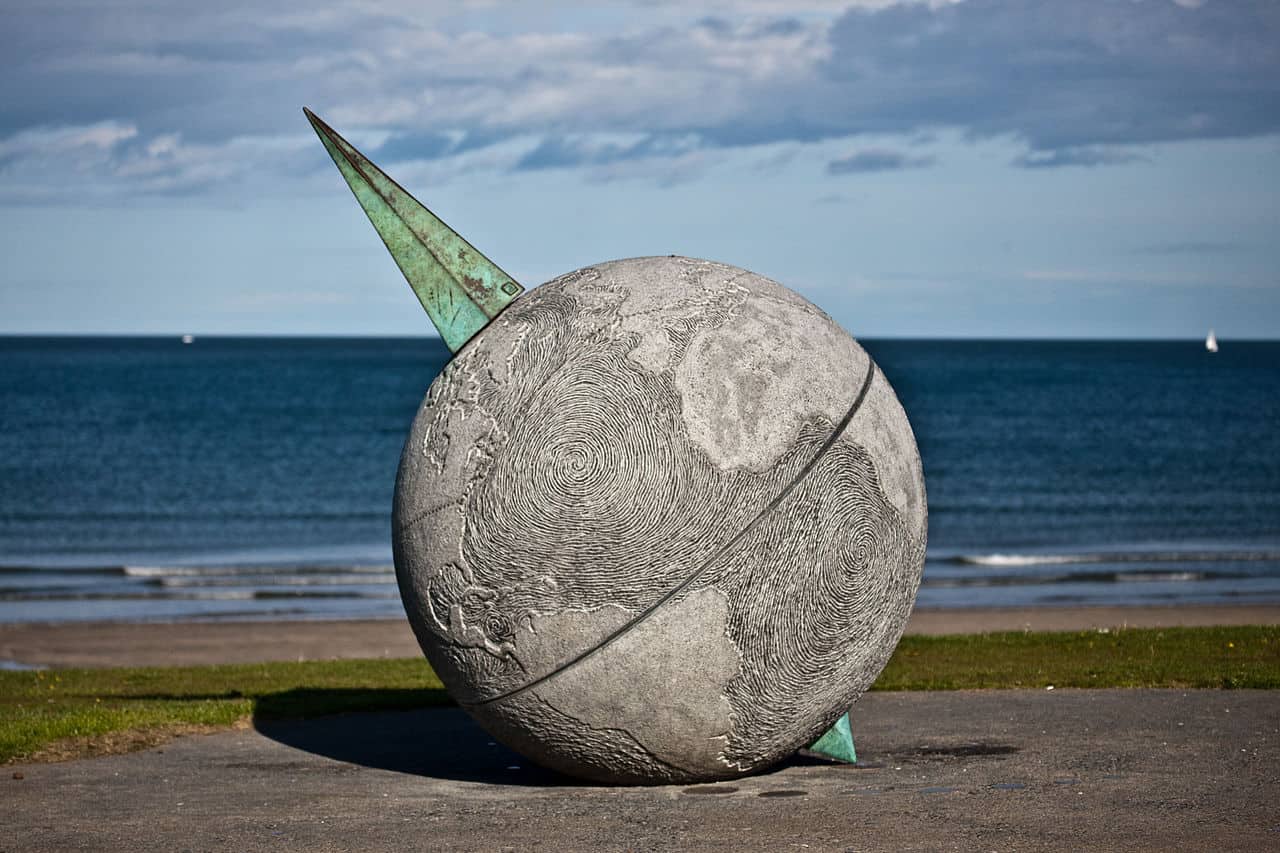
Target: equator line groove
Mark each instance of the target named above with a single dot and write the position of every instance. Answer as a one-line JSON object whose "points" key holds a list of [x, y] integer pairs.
{"points": [[710, 561]]}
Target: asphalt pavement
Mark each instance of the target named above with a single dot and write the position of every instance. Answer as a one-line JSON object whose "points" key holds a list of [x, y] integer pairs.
{"points": [[991, 770]]}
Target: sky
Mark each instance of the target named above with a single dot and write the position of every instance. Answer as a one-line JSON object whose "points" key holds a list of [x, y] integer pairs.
{"points": [[956, 168]]}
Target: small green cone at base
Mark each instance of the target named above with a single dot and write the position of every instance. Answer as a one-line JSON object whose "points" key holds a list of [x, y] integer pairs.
{"points": [[837, 742]]}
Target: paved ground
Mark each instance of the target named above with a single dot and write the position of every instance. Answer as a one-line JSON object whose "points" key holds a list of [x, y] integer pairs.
{"points": [[99, 644], [1000, 770]]}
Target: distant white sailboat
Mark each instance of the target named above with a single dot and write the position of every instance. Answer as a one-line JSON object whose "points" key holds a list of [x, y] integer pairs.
{"points": [[186, 339], [1211, 342]]}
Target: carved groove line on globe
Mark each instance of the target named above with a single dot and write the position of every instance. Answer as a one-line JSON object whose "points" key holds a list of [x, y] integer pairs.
{"points": [[710, 561]]}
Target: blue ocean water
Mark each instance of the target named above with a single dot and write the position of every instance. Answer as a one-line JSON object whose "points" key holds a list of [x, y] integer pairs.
{"points": [[141, 478]]}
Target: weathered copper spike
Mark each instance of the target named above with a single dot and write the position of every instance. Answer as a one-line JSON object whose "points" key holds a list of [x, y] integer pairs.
{"points": [[460, 288]]}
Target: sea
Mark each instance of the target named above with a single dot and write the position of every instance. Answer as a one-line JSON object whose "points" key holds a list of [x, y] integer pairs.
{"points": [[251, 478]]}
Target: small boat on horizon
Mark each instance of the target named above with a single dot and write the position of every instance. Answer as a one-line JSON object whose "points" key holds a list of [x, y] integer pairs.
{"points": [[1211, 342], [187, 339]]}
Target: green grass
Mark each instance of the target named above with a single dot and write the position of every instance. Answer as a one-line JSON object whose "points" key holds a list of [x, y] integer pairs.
{"points": [[65, 713], [1230, 657], [93, 708]]}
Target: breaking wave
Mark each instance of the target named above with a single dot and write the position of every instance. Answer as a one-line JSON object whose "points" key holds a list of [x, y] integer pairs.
{"points": [[1034, 559]]}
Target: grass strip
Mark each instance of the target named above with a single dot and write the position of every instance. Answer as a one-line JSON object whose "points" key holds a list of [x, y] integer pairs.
{"points": [[86, 710], [1245, 656], [55, 714]]}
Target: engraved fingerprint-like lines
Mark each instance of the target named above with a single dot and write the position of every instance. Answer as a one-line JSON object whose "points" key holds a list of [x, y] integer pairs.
{"points": [[814, 452], [580, 490], [595, 487], [815, 621], [590, 494]]}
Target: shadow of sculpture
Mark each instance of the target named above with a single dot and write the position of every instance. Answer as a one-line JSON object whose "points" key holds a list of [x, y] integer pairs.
{"points": [[440, 742], [407, 735]]}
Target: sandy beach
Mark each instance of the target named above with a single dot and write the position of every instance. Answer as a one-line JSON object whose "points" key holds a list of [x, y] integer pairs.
{"points": [[106, 644]]}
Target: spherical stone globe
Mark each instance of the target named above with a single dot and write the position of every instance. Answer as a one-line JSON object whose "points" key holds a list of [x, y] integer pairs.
{"points": [[662, 521]]}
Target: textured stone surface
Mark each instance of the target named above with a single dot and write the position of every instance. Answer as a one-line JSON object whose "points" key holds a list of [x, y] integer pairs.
{"points": [[662, 521]]}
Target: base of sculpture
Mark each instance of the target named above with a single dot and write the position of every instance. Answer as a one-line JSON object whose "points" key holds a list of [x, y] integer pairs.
{"points": [[837, 743]]}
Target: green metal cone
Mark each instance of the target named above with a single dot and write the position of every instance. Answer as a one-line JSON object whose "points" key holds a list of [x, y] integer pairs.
{"points": [[837, 743], [460, 288]]}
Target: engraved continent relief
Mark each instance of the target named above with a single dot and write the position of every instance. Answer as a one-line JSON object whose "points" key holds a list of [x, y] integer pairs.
{"points": [[662, 520]]}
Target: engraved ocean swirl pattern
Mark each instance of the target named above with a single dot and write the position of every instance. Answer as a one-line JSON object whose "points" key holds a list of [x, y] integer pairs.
{"points": [[558, 513]]}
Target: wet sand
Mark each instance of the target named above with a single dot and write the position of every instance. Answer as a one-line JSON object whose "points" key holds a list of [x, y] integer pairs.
{"points": [[106, 644]]}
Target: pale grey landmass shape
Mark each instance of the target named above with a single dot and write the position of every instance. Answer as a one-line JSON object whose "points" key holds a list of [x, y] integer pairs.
{"points": [[663, 520]]}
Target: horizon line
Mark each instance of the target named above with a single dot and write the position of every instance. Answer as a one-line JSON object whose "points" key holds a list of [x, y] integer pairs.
{"points": [[429, 337]]}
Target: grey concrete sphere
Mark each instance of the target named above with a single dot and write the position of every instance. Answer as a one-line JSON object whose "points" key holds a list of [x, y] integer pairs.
{"points": [[663, 520]]}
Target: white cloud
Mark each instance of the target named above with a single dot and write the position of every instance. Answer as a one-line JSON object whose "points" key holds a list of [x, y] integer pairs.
{"points": [[106, 159], [175, 98], [1113, 276], [59, 141]]}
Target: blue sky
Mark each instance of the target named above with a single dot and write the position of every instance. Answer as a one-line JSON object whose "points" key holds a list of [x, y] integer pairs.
{"points": [[1007, 168]]}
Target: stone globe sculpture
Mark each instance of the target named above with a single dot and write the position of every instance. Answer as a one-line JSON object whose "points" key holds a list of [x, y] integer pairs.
{"points": [[659, 520]]}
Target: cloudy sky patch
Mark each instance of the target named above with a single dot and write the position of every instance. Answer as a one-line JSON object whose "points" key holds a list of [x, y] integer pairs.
{"points": [[876, 160], [1089, 128]]}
